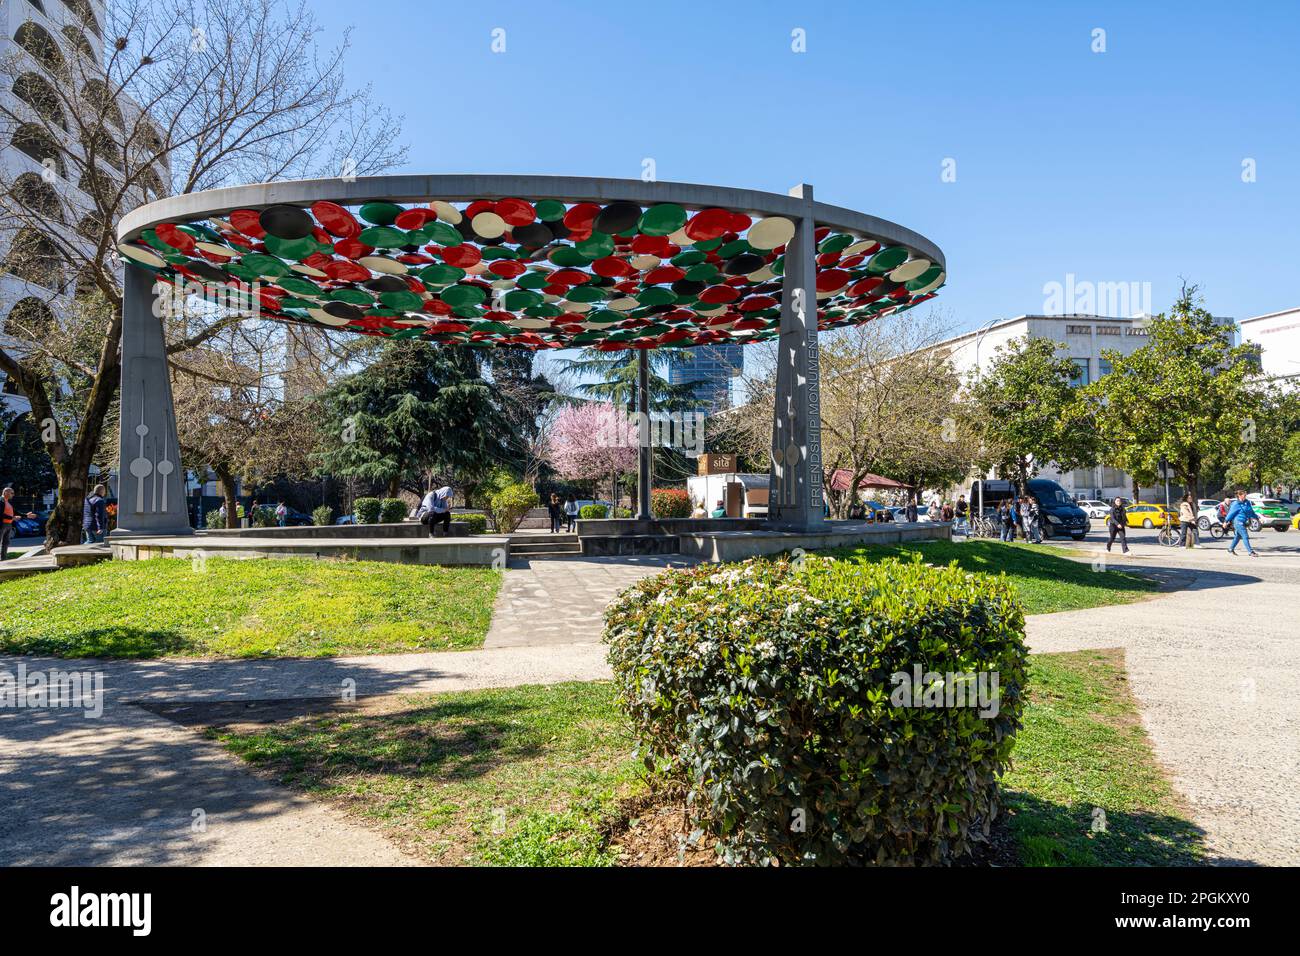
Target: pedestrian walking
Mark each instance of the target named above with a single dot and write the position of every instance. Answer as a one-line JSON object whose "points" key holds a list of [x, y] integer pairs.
{"points": [[1117, 522], [570, 512], [1187, 521], [8, 516], [555, 509], [94, 516], [1238, 518], [281, 514], [911, 509], [962, 512]]}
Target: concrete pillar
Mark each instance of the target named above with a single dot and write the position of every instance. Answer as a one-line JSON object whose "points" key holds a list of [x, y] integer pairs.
{"points": [[795, 499], [151, 481], [644, 451]]}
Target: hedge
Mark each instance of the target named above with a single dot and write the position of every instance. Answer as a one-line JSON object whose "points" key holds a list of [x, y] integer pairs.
{"points": [[322, 516], [780, 711], [367, 510], [393, 510], [477, 523], [670, 503]]}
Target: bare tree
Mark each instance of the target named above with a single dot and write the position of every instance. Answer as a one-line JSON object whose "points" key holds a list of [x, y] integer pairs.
{"points": [[187, 96]]}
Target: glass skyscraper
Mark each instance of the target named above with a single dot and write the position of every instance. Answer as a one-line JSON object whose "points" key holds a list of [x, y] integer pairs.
{"points": [[711, 371]]}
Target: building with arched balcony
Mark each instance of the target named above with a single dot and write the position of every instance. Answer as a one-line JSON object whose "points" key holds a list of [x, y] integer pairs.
{"points": [[56, 51]]}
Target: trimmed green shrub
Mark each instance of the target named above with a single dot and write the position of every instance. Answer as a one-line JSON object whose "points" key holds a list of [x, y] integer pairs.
{"points": [[322, 516], [262, 517], [392, 510], [592, 512], [367, 510], [770, 688], [670, 503], [477, 523], [214, 519], [509, 503]]}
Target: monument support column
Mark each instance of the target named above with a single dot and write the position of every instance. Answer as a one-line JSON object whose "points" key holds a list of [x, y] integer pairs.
{"points": [[150, 479], [795, 497], [644, 451]]}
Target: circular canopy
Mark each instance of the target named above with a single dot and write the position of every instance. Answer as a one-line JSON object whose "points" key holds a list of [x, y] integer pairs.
{"points": [[532, 262]]}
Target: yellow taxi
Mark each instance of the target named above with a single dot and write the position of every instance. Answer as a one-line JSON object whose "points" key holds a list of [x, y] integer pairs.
{"points": [[1295, 521], [1146, 515]]}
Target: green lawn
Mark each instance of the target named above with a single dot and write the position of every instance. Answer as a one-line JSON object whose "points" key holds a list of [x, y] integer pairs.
{"points": [[535, 775], [231, 608], [1045, 579]]}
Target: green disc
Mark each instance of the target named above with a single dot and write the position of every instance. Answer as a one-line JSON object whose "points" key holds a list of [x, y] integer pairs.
{"points": [[532, 280], [662, 220], [265, 265], [518, 299], [384, 237], [380, 213], [569, 256], [299, 286], [603, 317], [886, 260], [705, 272], [296, 249], [460, 296], [597, 246], [656, 295], [405, 301], [441, 274], [835, 243], [443, 234], [585, 293], [350, 296], [549, 210], [691, 257]]}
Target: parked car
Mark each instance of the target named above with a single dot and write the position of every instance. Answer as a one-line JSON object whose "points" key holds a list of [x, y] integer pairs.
{"points": [[1060, 515], [1146, 515], [1207, 514], [1271, 513], [31, 527], [1295, 521], [346, 519], [1094, 509]]}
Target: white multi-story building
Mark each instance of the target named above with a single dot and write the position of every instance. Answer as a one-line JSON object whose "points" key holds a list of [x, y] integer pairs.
{"points": [[53, 51], [1277, 337], [1083, 339]]}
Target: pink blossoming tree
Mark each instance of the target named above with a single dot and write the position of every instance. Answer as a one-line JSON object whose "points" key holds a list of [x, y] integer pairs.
{"points": [[591, 442]]}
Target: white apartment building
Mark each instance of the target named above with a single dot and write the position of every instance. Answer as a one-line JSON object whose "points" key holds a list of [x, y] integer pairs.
{"points": [[1277, 337], [1083, 339], [53, 45]]}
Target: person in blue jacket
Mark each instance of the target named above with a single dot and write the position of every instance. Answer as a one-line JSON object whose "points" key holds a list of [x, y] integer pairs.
{"points": [[1239, 517]]}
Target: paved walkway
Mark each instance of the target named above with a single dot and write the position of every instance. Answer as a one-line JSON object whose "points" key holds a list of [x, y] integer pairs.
{"points": [[1216, 668], [562, 600], [1216, 671]]}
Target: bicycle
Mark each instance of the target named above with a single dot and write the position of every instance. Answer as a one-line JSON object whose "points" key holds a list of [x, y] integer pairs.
{"points": [[1170, 535]]}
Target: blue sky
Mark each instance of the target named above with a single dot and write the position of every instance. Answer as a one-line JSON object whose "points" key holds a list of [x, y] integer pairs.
{"points": [[1122, 166]]}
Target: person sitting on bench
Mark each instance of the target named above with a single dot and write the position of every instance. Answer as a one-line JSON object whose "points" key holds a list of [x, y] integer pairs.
{"points": [[435, 510]]}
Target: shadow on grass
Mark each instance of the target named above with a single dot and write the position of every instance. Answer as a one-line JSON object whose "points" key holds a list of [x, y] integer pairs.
{"points": [[134, 643], [311, 742], [1053, 834]]}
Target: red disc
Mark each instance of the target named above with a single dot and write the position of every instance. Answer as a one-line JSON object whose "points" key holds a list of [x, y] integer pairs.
{"points": [[414, 217], [611, 267], [719, 293], [516, 212], [181, 241], [568, 277], [352, 248], [462, 256], [345, 271], [709, 224], [832, 280], [756, 302], [336, 220], [663, 275], [248, 221], [507, 268], [478, 206], [652, 246], [581, 216]]}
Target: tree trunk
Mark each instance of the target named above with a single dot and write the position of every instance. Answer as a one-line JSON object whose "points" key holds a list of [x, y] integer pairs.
{"points": [[394, 486], [227, 481], [1136, 496]]}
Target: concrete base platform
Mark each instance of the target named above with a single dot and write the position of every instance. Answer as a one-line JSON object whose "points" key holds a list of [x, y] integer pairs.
{"points": [[400, 529], [487, 550], [621, 544], [719, 546]]}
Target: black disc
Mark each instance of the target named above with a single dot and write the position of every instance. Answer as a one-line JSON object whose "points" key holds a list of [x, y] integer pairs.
{"points": [[207, 270], [341, 310], [286, 222], [535, 235], [687, 287], [617, 217], [385, 283], [743, 264]]}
